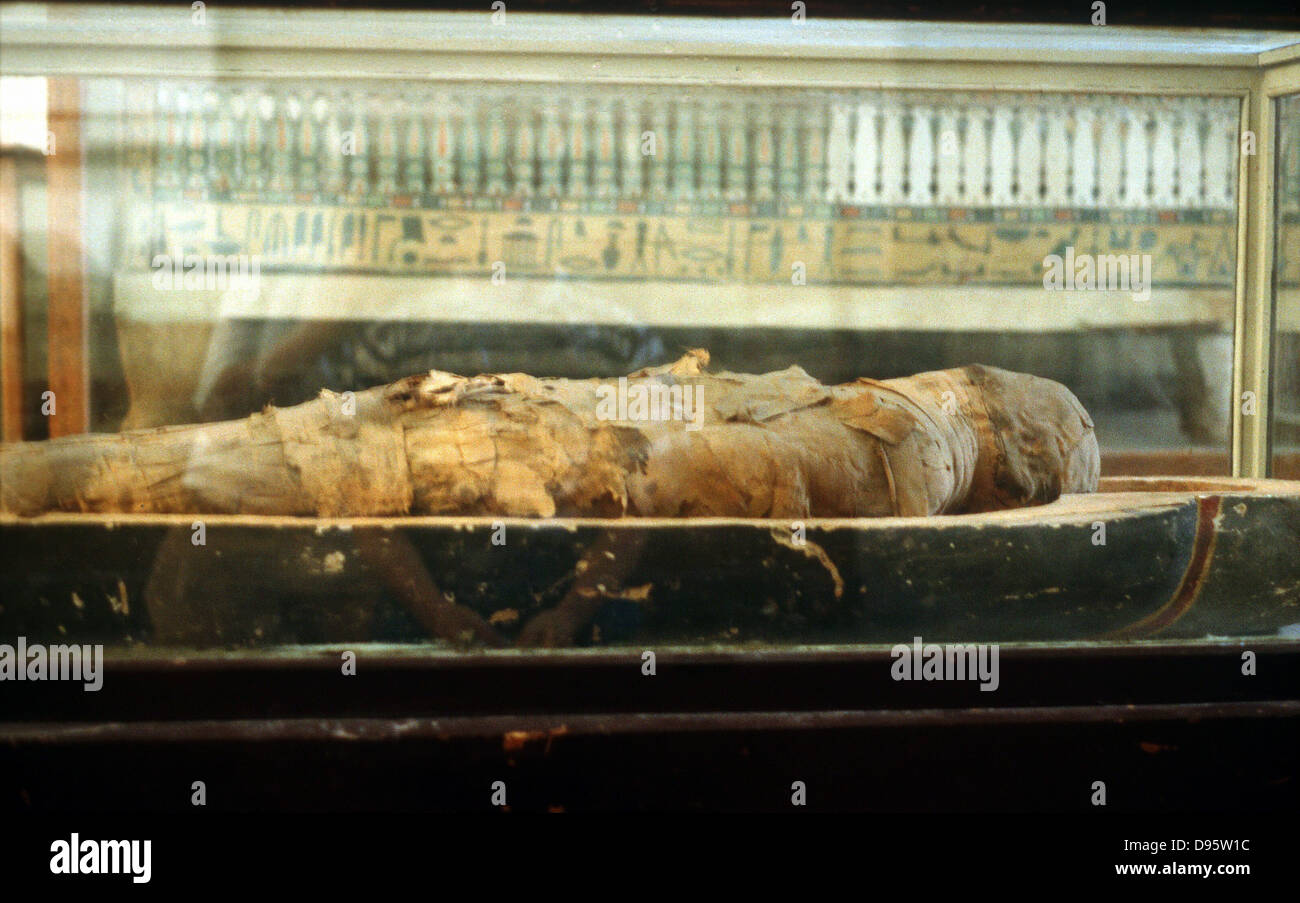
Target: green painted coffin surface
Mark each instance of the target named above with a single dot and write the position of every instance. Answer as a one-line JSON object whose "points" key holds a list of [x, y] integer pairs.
{"points": [[1148, 557]]}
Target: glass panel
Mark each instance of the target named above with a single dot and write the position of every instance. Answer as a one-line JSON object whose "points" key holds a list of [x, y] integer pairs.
{"points": [[254, 242], [853, 233], [1286, 376]]}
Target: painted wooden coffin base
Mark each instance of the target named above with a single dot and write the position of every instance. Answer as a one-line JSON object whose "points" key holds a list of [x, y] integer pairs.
{"points": [[1147, 557]]}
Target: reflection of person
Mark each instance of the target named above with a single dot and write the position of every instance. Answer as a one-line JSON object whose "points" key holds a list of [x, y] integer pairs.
{"points": [[196, 598], [261, 353], [251, 363]]}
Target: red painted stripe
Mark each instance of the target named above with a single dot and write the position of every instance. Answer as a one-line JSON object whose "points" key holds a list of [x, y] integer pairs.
{"points": [[1207, 509]]}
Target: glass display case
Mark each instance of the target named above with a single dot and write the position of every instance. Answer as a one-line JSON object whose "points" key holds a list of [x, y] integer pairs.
{"points": [[219, 217]]}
